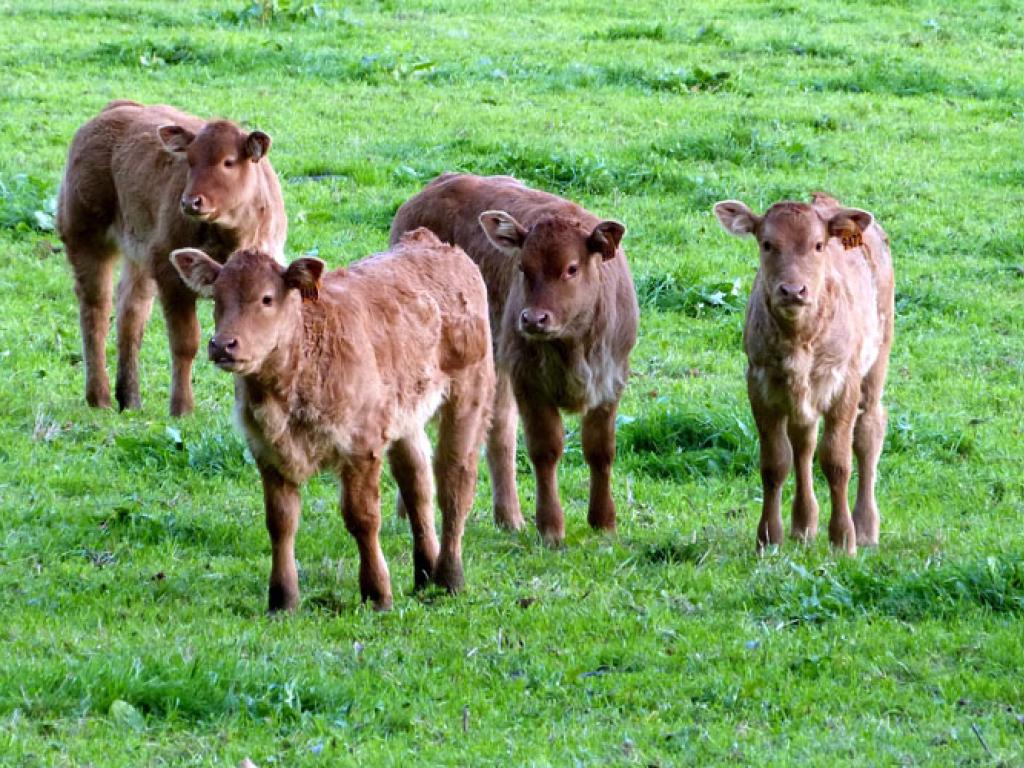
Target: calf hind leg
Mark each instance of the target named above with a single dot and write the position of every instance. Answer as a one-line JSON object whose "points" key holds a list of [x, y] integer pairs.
{"points": [[501, 457], [463, 420], [134, 303], [868, 436], [179, 305], [835, 459], [93, 269], [598, 434], [410, 464]]}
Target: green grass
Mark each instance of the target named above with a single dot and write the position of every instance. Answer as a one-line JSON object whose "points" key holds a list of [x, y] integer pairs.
{"points": [[133, 557]]}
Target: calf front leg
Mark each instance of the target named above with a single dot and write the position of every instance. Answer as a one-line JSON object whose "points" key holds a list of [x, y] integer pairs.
{"points": [[835, 456], [501, 457], [802, 438], [360, 506], [93, 267], [282, 505], [598, 434], [545, 439], [775, 460]]}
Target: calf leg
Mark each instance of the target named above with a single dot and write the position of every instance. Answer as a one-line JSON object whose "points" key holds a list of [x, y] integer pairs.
{"points": [[93, 269], [281, 502], [598, 433], [134, 303], [545, 439], [776, 459], [179, 305], [501, 457], [360, 506], [410, 464], [868, 436], [835, 458], [802, 438], [459, 435]]}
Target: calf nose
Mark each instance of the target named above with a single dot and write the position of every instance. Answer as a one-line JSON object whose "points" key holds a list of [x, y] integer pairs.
{"points": [[537, 319], [192, 203], [222, 346], [792, 291]]}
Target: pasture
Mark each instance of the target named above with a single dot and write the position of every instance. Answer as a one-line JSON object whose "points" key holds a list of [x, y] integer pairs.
{"points": [[133, 553]]}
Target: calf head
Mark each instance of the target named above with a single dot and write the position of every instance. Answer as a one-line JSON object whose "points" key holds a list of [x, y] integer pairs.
{"points": [[795, 257], [256, 302], [560, 262], [223, 177]]}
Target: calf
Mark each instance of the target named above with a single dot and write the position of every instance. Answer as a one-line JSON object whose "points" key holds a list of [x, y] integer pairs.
{"points": [[564, 319], [143, 181], [334, 373], [818, 332]]}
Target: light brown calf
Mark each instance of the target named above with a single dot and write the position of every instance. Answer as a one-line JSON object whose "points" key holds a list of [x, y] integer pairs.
{"points": [[818, 332], [564, 318], [333, 374], [144, 181]]}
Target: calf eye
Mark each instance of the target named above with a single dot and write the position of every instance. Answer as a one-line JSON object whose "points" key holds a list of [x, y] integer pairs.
{"points": [[268, 300], [571, 270], [819, 247], [766, 245], [229, 163]]}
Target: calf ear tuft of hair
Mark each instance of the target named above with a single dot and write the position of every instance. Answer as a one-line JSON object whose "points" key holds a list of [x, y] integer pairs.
{"points": [[197, 270], [175, 138], [605, 239], [304, 276], [257, 144], [505, 233], [736, 218]]}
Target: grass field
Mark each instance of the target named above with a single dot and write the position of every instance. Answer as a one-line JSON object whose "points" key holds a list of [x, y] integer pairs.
{"points": [[133, 555]]}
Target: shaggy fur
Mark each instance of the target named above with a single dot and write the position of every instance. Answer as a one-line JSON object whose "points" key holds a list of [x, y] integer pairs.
{"points": [[818, 332], [564, 318], [143, 181], [336, 371]]}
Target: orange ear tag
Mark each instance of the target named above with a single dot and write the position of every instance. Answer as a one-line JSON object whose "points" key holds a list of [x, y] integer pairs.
{"points": [[854, 240]]}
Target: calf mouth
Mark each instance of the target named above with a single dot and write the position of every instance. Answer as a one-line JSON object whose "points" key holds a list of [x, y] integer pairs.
{"points": [[537, 334], [229, 364], [206, 216]]}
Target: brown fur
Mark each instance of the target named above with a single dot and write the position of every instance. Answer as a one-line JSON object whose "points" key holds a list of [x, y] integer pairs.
{"points": [[352, 373], [818, 332], [130, 171], [579, 361]]}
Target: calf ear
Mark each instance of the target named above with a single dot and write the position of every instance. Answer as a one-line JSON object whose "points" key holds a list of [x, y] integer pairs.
{"points": [[505, 233], [605, 239], [304, 276], [848, 224], [257, 144], [736, 218], [175, 138], [197, 269]]}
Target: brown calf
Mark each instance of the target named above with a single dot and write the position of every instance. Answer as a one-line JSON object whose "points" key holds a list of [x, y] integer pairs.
{"points": [[333, 374], [818, 332], [144, 181], [564, 318]]}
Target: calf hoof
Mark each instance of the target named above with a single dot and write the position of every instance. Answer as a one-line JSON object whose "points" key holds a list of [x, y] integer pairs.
{"points": [[448, 574], [553, 539], [282, 599], [602, 522], [803, 535], [423, 569], [98, 399], [179, 409], [867, 539], [509, 520], [128, 402]]}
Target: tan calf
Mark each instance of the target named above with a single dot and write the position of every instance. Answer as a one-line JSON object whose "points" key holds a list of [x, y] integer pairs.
{"points": [[335, 371], [818, 332], [564, 318], [143, 181]]}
